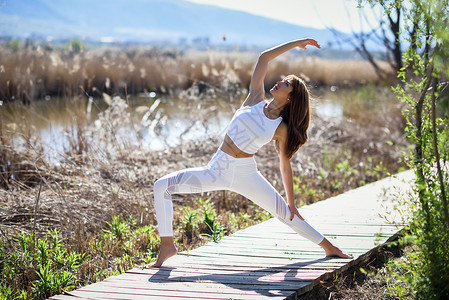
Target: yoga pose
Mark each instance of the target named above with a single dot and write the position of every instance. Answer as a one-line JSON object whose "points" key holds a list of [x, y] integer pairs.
{"points": [[284, 119]]}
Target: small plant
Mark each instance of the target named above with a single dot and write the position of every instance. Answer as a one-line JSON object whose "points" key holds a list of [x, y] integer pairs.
{"points": [[217, 231], [233, 220], [327, 159], [189, 221], [51, 283], [322, 175], [209, 215], [263, 215], [335, 184], [210, 226], [118, 229]]}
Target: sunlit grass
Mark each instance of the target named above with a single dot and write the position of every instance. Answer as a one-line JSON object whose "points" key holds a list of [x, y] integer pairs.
{"points": [[38, 266]]}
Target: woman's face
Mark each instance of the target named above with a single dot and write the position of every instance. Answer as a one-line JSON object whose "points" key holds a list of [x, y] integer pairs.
{"points": [[282, 89]]}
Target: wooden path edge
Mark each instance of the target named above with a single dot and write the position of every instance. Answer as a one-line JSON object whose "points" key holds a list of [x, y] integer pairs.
{"points": [[359, 262]]}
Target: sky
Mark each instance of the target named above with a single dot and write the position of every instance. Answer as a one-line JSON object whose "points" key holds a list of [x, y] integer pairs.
{"points": [[343, 15]]}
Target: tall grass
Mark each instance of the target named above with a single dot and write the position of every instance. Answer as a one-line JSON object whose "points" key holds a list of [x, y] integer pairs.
{"points": [[39, 72]]}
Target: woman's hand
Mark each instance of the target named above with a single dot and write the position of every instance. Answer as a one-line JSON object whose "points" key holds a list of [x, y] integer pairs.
{"points": [[294, 211], [304, 43]]}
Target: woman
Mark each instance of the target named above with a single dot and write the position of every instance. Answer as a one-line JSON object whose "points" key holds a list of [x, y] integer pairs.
{"points": [[285, 120]]}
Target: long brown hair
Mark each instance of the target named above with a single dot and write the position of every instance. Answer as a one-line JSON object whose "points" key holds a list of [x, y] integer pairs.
{"points": [[296, 114]]}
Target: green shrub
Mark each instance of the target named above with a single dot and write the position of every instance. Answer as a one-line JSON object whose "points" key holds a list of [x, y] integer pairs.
{"points": [[39, 267], [425, 72]]}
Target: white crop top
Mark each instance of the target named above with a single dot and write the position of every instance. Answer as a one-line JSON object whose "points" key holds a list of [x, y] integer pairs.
{"points": [[250, 128]]}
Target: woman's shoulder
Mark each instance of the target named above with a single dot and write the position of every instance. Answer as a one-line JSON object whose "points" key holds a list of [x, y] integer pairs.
{"points": [[254, 97], [283, 127]]}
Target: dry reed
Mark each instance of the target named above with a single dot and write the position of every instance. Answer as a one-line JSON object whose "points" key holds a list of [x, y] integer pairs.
{"points": [[37, 73]]}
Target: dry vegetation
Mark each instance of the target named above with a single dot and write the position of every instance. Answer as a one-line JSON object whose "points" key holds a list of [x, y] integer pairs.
{"points": [[100, 180], [105, 176], [38, 72], [101, 176]]}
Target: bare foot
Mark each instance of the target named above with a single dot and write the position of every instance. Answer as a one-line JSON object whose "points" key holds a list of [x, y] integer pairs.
{"points": [[336, 252], [332, 251], [167, 250]]}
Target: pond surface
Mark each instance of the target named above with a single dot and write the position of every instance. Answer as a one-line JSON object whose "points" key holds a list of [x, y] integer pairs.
{"points": [[159, 122]]}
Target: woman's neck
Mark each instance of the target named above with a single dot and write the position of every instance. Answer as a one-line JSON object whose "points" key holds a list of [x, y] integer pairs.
{"points": [[274, 108]]}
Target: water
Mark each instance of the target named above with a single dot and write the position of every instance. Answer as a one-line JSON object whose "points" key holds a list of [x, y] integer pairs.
{"points": [[329, 109], [159, 122]]}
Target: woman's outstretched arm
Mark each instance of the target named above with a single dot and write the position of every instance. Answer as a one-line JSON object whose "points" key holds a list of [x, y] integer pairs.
{"points": [[256, 87]]}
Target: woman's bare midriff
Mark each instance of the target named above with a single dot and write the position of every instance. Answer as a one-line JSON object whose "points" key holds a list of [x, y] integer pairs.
{"points": [[230, 148]]}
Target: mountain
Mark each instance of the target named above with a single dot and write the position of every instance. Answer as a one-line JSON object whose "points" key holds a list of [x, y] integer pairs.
{"points": [[145, 21]]}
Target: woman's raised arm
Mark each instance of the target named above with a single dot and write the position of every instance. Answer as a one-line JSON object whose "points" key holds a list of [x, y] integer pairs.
{"points": [[256, 87]]}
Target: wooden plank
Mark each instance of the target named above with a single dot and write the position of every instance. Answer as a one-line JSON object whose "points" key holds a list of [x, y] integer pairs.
{"points": [[275, 250], [235, 271], [355, 243], [290, 254], [280, 227], [216, 268], [85, 293], [65, 297], [199, 284], [288, 236], [222, 275], [232, 279], [205, 282], [274, 226], [265, 264], [214, 292], [346, 228], [109, 293], [268, 260], [301, 246], [264, 260], [274, 245]]}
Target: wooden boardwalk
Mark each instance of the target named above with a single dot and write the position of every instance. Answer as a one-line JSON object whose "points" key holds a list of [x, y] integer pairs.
{"points": [[267, 260]]}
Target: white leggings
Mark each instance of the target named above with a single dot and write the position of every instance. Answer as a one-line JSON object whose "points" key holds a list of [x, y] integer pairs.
{"points": [[225, 172]]}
